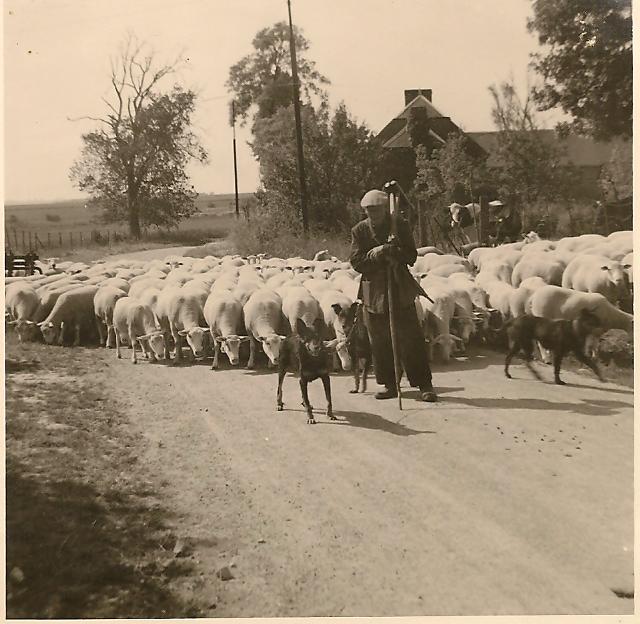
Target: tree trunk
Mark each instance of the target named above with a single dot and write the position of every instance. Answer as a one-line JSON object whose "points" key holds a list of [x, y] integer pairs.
{"points": [[134, 215]]}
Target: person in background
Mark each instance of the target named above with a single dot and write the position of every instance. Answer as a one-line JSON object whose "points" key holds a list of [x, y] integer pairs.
{"points": [[372, 251], [508, 225]]}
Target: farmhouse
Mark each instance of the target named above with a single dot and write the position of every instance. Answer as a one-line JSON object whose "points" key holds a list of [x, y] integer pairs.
{"points": [[586, 155]]}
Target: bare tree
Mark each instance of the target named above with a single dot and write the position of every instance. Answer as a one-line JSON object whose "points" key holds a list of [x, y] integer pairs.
{"points": [[133, 164]]}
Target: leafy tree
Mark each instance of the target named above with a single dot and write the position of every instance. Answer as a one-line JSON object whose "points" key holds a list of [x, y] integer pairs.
{"points": [[449, 173], [616, 177], [528, 164], [133, 165], [341, 159], [263, 78], [587, 64]]}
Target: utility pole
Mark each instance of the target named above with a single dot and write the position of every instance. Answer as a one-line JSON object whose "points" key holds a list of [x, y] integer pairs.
{"points": [[235, 163], [296, 108]]}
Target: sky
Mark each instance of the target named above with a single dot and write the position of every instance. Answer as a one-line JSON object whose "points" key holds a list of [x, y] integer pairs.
{"points": [[57, 55]]}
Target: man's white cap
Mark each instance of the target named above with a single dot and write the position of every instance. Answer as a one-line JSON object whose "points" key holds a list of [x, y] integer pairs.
{"points": [[374, 198], [496, 203]]}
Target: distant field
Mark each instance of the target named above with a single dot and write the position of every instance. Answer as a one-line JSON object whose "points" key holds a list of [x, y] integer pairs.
{"points": [[70, 224]]}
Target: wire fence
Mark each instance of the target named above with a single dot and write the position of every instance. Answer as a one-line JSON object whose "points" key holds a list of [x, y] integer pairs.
{"points": [[29, 240]]}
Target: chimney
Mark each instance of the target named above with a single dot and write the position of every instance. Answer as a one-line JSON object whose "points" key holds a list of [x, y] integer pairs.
{"points": [[412, 94]]}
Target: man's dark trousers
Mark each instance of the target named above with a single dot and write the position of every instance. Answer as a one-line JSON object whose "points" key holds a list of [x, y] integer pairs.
{"points": [[413, 353]]}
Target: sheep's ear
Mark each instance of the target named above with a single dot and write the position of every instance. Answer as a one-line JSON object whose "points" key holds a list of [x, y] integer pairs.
{"points": [[604, 268], [336, 307], [183, 332], [219, 339], [243, 338]]}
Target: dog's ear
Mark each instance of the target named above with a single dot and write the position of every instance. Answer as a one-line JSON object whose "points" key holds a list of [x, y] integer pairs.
{"points": [[351, 313], [301, 329]]}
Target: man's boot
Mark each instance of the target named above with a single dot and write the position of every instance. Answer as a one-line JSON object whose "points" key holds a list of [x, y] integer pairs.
{"points": [[428, 394], [387, 393]]}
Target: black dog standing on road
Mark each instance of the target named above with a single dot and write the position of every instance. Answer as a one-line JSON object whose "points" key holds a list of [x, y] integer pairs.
{"points": [[307, 354], [358, 344], [559, 336]]}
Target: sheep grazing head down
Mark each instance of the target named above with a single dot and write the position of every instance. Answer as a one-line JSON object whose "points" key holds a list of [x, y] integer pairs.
{"points": [[271, 346], [231, 346], [155, 340], [50, 333], [27, 331], [196, 339]]}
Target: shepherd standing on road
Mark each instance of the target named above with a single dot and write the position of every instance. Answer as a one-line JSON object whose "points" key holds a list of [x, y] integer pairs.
{"points": [[371, 253]]}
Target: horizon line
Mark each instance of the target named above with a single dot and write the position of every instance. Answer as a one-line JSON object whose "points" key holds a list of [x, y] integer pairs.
{"points": [[30, 202]]}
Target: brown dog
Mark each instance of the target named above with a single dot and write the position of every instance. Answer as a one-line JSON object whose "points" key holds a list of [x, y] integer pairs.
{"points": [[305, 353], [559, 336]]}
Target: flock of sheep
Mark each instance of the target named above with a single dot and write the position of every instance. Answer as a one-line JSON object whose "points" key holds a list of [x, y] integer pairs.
{"points": [[217, 303]]}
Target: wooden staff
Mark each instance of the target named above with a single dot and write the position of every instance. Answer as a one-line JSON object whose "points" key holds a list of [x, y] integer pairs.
{"points": [[391, 301]]}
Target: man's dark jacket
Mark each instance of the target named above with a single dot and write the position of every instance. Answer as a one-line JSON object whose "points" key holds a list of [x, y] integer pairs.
{"points": [[373, 287]]}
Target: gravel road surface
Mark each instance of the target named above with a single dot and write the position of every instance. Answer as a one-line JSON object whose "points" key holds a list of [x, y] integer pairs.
{"points": [[506, 497]]}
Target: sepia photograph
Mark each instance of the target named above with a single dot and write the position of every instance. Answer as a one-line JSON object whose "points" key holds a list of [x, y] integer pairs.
{"points": [[318, 308]]}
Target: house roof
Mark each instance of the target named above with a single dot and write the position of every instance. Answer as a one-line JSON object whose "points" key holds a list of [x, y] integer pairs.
{"points": [[395, 133], [579, 151]]}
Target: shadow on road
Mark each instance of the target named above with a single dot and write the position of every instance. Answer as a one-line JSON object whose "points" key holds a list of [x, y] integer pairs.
{"points": [[588, 407], [366, 420], [595, 387]]}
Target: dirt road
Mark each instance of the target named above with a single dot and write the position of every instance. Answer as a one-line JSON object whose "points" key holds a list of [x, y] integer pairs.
{"points": [[507, 497]]}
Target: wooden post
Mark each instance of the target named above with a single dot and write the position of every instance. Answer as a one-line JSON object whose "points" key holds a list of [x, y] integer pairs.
{"points": [[49, 240], [30, 241], [23, 241], [296, 110], [235, 163]]}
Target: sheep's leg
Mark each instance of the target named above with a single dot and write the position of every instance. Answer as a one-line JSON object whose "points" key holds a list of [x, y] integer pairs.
{"points": [[252, 351], [585, 359], [110, 333], [144, 347], [117, 335], [281, 374], [61, 334], [100, 326], [167, 352], [305, 401], [178, 340], [326, 382], [545, 354], [216, 354], [132, 340], [76, 341], [336, 362]]}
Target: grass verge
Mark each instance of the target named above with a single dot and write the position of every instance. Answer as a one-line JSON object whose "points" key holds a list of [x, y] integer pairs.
{"points": [[87, 534]]}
